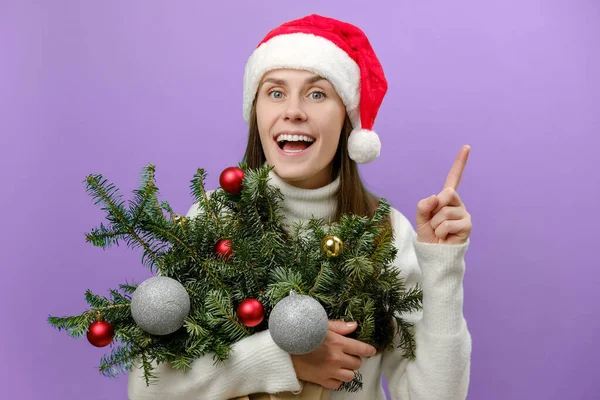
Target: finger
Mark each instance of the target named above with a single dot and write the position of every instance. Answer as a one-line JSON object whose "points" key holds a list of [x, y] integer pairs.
{"points": [[357, 348], [453, 227], [342, 327], [455, 174], [425, 209], [344, 375], [447, 197], [351, 362], [447, 213], [333, 384]]}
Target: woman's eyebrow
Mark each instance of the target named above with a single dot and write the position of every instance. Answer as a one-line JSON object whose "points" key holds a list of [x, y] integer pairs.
{"points": [[314, 79], [279, 82], [282, 82]]}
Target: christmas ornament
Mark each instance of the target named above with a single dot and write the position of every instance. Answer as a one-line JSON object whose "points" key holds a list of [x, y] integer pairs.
{"points": [[179, 219], [159, 305], [100, 333], [332, 245], [251, 312], [231, 180], [298, 324], [223, 248]]}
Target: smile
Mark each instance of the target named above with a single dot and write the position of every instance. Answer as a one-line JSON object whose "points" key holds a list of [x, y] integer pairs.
{"points": [[293, 143]]}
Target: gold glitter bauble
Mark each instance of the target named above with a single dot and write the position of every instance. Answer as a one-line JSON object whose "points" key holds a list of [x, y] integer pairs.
{"points": [[332, 245], [179, 219]]}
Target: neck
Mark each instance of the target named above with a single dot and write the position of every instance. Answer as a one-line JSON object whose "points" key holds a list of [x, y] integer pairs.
{"points": [[301, 204]]}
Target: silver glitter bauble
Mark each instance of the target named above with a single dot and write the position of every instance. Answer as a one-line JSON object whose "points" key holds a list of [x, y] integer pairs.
{"points": [[159, 305], [298, 324]]}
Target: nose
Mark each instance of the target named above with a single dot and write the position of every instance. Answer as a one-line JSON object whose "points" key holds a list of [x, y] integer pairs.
{"points": [[294, 112]]}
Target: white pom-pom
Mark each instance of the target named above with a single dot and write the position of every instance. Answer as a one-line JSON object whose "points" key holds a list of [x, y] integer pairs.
{"points": [[363, 146]]}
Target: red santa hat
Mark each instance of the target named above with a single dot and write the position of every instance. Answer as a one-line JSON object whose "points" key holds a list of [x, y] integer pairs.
{"points": [[337, 51]]}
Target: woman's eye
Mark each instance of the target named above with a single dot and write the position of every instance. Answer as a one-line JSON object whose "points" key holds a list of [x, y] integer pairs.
{"points": [[276, 94], [317, 95]]}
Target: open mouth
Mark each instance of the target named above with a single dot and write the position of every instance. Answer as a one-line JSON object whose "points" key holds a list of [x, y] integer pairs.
{"points": [[292, 144]]}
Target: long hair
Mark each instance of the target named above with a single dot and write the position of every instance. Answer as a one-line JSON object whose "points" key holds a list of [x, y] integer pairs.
{"points": [[352, 197]]}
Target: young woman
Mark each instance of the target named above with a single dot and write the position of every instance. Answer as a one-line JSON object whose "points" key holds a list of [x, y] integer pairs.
{"points": [[312, 89]]}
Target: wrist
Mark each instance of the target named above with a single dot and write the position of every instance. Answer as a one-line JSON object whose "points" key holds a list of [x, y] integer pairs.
{"points": [[297, 363]]}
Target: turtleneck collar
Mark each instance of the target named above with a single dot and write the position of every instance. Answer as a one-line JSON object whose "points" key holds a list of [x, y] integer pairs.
{"points": [[301, 204]]}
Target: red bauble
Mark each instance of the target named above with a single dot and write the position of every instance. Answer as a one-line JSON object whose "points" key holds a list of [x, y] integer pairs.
{"points": [[250, 312], [223, 248], [100, 333], [231, 180]]}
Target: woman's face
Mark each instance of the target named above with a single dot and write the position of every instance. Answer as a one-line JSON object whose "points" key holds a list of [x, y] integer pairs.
{"points": [[300, 118]]}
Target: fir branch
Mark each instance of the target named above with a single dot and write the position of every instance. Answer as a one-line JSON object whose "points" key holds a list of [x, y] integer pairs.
{"points": [[145, 195], [182, 363], [411, 301], [219, 311], [407, 340], [95, 300], [149, 377], [106, 193], [128, 288], [191, 251], [119, 361], [75, 326], [284, 280], [317, 284], [382, 212], [358, 268], [102, 304], [366, 308], [194, 329], [199, 192], [104, 237], [353, 386], [384, 251]]}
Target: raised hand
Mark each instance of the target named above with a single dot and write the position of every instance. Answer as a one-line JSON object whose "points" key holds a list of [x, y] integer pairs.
{"points": [[443, 218]]}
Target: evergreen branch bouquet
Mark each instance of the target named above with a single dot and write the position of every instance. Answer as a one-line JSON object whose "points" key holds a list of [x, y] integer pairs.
{"points": [[222, 276]]}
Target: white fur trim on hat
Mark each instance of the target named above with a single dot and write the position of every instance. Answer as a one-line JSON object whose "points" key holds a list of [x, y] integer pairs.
{"points": [[305, 52], [364, 146]]}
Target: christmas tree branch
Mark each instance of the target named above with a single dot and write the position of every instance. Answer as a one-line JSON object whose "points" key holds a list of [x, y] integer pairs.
{"points": [[200, 195], [411, 301], [195, 329], [103, 237], [148, 193], [75, 326], [407, 340], [118, 361], [324, 266], [219, 312], [353, 386], [96, 187], [283, 281], [148, 375], [192, 252]]}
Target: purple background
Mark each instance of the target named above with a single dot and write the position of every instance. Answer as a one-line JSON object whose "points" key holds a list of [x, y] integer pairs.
{"points": [[106, 87]]}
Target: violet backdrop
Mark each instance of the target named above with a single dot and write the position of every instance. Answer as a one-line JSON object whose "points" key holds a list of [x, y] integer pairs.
{"points": [[108, 87]]}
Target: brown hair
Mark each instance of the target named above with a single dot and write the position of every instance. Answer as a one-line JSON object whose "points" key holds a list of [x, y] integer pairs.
{"points": [[352, 197]]}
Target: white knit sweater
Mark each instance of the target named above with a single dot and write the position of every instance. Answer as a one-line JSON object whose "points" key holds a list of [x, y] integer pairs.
{"points": [[443, 343]]}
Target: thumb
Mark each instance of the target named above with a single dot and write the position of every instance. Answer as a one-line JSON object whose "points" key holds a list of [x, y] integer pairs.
{"points": [[424, 209], [342, 327]]}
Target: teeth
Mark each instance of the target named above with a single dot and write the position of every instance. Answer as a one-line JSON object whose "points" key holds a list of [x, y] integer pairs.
{"points": [[294, 138]]}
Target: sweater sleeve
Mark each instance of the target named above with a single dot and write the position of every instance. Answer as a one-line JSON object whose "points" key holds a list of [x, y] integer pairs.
{"points": [[441, 367], [256, 365]]}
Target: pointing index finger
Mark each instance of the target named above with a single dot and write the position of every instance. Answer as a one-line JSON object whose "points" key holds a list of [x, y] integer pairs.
{"points": [[455, 174]]}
